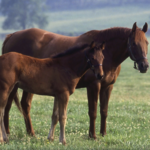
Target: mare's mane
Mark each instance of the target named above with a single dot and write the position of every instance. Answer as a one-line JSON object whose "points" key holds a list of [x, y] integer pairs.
{"points": [[71, 50], [109, 34]]}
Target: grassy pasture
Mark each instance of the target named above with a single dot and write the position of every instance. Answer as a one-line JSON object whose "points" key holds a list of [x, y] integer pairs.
{"points": [[128, 116], [127, 124]]}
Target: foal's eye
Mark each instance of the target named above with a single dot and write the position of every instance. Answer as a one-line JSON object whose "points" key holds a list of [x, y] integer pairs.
{"points": [[134, 44]]}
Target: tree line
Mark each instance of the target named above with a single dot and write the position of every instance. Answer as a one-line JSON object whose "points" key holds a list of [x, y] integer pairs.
{"points": [[22, 14]]}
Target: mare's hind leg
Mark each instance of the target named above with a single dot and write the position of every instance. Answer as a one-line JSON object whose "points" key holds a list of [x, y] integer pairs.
{"points": [[7, 108], [26, 106], [93, 93], [55, 118], [104, 99]]}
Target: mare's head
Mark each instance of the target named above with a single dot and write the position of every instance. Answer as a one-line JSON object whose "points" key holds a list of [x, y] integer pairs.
{"points": [[95, 58], [138, 47]]}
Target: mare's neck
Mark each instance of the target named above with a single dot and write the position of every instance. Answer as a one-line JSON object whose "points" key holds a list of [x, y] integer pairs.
{"points": [[116, 45]]}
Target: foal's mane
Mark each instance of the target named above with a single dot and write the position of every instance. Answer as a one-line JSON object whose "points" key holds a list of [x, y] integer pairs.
{"points": [[72, 50]]}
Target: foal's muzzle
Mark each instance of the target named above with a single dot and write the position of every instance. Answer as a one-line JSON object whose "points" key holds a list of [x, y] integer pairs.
{"points": [[99, 77]]}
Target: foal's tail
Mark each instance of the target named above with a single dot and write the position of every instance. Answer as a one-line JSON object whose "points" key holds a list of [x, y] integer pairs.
{"points": [[5, 41]]}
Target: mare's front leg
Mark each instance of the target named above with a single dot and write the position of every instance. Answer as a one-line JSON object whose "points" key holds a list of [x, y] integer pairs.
{"points": [[104, 99], [93, 92], [26, 106], [55, 118], [12, 95]]}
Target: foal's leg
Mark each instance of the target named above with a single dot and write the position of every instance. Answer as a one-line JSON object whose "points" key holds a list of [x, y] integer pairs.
{"points": [[93, 93], [104, 99], [55, 118], [62, 103], [3, 102], [7, 108], [26, 106], [3, 135]]}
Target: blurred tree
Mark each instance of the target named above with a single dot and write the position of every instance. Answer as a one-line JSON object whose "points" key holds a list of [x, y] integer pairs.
{"points": [[22, 14]]}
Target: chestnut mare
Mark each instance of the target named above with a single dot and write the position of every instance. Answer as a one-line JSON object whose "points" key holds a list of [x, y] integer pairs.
{"points": [[121, 43], [56, 76]]}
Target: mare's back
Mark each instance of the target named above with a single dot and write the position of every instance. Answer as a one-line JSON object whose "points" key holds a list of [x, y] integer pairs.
{"points": [[37, 43]]}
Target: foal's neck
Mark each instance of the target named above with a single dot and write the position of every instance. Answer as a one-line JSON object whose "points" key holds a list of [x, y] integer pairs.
{"points": [[74, 64]]}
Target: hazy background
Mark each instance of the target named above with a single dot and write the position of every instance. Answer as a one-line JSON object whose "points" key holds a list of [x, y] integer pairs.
{"points": [[74, 17]]}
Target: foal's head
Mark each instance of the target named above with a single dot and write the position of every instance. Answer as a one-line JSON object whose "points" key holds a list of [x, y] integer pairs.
{"points": [[138, 47], [95, 58]]}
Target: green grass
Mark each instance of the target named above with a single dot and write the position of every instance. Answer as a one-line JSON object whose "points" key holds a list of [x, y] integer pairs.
{"points": [[127, 124], [128, 114]]}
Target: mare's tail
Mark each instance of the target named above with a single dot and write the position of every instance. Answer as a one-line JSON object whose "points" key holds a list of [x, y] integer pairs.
{"points": [[5, 41], [16, 100]]}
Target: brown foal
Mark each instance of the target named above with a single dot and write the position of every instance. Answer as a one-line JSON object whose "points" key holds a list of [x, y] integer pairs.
{"points": [[56, 76]]}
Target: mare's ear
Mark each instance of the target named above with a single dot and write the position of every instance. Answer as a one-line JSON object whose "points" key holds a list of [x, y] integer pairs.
{"points": [[92, 45], [102, 46], [134, 27], [145, 27]]}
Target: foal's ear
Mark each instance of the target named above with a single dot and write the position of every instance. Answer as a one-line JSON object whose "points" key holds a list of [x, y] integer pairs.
{"points": [[102, 46], [145, 27], [134, 27], [92, 45]]}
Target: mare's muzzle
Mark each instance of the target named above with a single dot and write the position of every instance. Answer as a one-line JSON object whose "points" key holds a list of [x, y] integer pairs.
{"points": [[142, 66]]}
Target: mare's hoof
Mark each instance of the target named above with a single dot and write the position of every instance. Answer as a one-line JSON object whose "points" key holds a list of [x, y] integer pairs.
{"points": [[103, 134], [92, 136], [31, 134]]}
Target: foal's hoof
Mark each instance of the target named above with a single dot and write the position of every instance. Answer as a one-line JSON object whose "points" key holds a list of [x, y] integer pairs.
{"points": [[62, 142], [4, 141], [51, 139]]}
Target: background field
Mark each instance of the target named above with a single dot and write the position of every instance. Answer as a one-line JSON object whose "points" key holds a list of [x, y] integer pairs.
{"points": [[128, 116], [127, 123]]}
